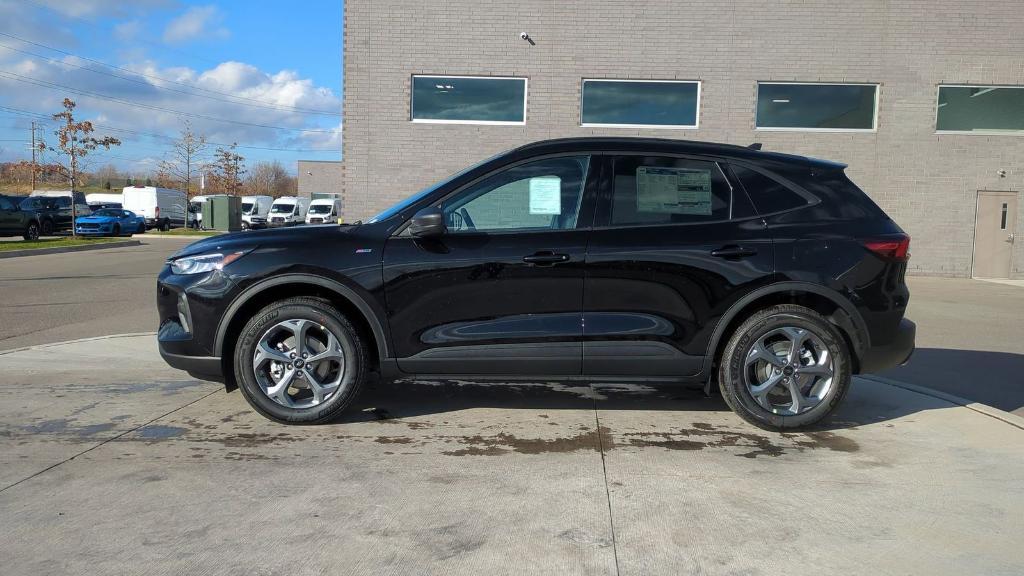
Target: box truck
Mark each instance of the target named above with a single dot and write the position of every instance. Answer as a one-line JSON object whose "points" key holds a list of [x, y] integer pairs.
{"points": [[163, 208], [288, 211], [255, 210]]}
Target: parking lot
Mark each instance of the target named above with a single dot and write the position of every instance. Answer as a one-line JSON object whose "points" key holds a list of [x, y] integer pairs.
{"points": [[112, 461]]}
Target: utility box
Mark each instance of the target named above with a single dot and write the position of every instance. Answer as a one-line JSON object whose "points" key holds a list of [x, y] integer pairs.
{"points": [[223, 213]]}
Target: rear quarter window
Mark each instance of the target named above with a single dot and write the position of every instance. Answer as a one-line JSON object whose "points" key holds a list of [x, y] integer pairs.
{"points": [[767, 194]]}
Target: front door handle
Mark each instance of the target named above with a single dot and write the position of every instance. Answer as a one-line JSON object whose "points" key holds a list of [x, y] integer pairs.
{"points": [[733, 251], [544, 258]]}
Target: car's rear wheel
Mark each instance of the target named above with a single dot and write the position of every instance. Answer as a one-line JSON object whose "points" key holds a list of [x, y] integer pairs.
{"points": [[46, 228], [116, 231], [31, 231], [300, 361], [785, 367], [165, 225], [141, 229]]}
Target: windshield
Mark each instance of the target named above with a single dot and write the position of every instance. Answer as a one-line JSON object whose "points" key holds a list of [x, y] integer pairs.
{"points": [[282, 208], [107, 212], [404, 204], [320, 209], [247, 207]]}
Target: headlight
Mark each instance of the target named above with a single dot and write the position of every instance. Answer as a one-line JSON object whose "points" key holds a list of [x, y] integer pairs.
{"points": [[203, 263]]}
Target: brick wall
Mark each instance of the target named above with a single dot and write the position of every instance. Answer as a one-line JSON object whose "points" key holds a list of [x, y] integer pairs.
{"points": [[320, 177], [927, 182]]}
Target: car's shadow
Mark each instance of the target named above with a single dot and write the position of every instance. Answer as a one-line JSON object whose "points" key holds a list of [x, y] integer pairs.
{"points": [[992, 378], [400, 399]]}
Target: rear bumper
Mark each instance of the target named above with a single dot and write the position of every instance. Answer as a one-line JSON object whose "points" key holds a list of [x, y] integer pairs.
{"points": [[897, 352]]}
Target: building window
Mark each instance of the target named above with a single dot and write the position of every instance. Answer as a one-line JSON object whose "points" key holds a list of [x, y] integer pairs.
{"points": [[980, 109], [823, 107], [468, 100], [640, 103]]}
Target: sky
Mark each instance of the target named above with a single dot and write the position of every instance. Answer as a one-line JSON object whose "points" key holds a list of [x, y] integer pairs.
{"points": [[264, 74]]}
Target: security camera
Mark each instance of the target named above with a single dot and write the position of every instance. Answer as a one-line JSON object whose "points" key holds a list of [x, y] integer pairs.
{"points": [[524, 35], [1001, 173]]}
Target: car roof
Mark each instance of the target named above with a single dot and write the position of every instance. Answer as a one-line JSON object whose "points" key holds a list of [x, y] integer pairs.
{"points": [[668, 145]]}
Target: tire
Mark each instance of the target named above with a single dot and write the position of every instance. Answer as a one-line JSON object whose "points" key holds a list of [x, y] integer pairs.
{"points": [[245, 225], [31, 231], [116, 231], [46, 228], [165, 225], [142, 229], [255, 379], [744, 371]]}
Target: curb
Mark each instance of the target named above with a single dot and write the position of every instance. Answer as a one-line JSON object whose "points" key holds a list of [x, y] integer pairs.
{"points": [[1006, 417], [90, 339], [82, 248]]}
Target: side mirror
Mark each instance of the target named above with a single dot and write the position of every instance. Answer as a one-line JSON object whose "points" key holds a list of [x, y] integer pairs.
{"points": [[428, 223]]}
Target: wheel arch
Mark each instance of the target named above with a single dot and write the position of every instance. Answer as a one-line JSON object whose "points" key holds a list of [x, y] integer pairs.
{"points": [[829, 303], [347, 300]]}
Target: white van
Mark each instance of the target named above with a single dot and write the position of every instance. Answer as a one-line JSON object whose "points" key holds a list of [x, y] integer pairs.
{"points": [[255, 210], [324, 211], [163, 208], [104, 200], [288, 211]]}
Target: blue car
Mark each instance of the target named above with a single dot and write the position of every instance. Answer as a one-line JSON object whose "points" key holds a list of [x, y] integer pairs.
{"points": [[110, 222]]}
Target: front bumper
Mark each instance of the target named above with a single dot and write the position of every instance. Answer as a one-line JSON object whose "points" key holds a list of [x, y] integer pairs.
{"points": [[94, 231], [895, 353], [190, 308], [202, 367]]}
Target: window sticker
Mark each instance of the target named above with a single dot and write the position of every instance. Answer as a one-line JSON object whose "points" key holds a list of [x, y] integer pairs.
{"points": [[673, 190], [546, 195]]}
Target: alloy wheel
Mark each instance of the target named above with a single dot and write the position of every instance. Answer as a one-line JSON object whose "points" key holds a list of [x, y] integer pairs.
{"points": [[299, 363], [789, 370]]}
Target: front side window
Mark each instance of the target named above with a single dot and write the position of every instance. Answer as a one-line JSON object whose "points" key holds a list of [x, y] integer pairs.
{"points": [[665, 104], [980, 109], [649, 190], [540, 195], [476, 100], [790, 106]]}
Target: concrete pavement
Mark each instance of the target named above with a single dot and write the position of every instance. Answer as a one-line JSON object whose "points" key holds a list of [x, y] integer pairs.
{"points": [[113, 463], [57, 297]]}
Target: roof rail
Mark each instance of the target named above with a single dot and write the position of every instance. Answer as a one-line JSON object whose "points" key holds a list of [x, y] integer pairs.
{"points": [[755, 146]]}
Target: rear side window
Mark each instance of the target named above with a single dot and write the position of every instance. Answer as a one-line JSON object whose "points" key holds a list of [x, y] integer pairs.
{"points": [[664, 190], [5, 204], [767, 194]]}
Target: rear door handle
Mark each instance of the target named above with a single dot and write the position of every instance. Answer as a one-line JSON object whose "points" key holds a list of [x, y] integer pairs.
{"points": [[733, 252], [545, 258]]}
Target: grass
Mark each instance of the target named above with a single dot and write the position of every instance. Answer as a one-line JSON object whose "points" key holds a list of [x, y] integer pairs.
{"points": [[53, 243], [184, 232]]}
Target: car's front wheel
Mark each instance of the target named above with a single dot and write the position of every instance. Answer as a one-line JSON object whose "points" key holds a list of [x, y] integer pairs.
{"points": [[300, 361], [31, 231], [785, 367], [47, 228]]}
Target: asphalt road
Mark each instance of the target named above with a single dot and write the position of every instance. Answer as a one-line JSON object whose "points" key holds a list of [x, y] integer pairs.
{"points": [[58, 297], [970, 334]]}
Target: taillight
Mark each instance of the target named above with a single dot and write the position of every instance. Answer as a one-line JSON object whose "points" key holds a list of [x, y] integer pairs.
{"points": [[895, 247], [157, 212]]}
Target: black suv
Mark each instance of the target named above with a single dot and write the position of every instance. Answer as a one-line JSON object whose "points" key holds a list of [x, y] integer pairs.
{"points": [[16, 221], [597, 258]]}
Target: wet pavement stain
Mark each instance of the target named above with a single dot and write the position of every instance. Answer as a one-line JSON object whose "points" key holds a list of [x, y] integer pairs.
{"points": [[95, 429], [504, 443], [161, 432]]}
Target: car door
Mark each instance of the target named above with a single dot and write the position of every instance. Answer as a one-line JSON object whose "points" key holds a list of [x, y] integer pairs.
{"points": [[502, 290], [10, 222], [674, 244]]}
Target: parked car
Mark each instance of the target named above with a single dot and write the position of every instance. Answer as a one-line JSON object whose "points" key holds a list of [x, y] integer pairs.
{"points": [[52, 217], [288, 211], [110, 222], [162, 208], [15, 221], [255, 211], [770, 275], [324, 211], [61, 215]]}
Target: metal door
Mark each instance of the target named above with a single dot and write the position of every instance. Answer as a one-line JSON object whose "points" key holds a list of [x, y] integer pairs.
{"points": [[994, 234]]}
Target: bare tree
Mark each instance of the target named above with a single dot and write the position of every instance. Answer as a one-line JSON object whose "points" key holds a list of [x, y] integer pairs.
{"points": [[267, 179], [74, 142], [181, 163], [227, 170]]}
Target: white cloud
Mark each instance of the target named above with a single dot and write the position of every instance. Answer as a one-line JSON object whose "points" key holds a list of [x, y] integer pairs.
{"points": [[195, 23], [91, 8], [128, 30]]}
